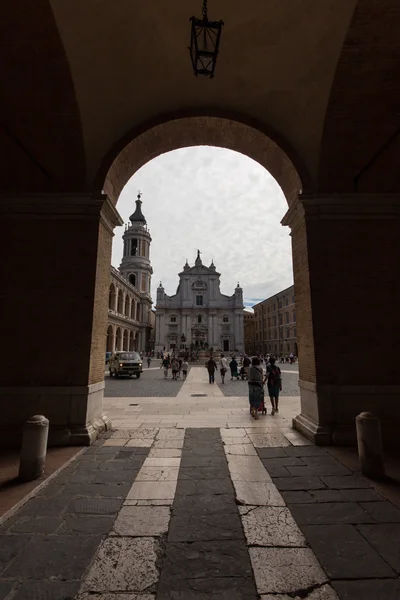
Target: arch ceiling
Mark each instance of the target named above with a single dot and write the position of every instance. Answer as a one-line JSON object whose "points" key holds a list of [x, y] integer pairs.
{"points": [[323, 76]]}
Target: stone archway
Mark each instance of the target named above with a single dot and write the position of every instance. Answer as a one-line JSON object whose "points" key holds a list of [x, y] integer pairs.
{"points": [[125, 340], [131, 341], [234, 132], [112, 297], [118, 339]]}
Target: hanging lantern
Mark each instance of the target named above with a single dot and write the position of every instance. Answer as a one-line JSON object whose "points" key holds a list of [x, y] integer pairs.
{"points": [[204, 43]]}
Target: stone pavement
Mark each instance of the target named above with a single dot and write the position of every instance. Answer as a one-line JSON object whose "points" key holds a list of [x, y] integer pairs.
{"points": [[230, 512]]}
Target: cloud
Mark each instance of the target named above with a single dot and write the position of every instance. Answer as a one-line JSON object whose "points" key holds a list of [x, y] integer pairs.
{"points": [[221, 202]]}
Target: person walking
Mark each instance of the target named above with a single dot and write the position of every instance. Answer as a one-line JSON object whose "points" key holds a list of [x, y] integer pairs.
{"points": [[246, 365], [211, 367], [174, 368], [256, 386], [185, 367], [223, 364], [274, 383], [165, 364], [234, 368], [148, 361]]}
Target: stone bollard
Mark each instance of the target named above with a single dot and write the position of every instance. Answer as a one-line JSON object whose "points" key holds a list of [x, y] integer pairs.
{"points": [[34, 448], [369, 442]]}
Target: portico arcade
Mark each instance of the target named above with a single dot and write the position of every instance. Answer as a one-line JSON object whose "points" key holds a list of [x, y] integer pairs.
{"points": [[297, 101]]}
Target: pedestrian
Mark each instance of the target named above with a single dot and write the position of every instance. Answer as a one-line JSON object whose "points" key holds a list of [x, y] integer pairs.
{"points": [[211, 367], [166, 364], [148, 361], [185, 367], [256, 386], [234, 368], [246, 364], [174, 368], [223, 367], [274, 383]]}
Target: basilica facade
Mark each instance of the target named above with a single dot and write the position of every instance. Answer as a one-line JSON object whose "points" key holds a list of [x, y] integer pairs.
{"points": [[199, 316]]}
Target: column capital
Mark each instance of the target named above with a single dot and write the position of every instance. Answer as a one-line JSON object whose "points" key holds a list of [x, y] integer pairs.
{"points": [[343, 206]]}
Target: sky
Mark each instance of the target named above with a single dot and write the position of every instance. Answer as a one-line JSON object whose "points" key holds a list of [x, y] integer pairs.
{"points": [[220, 202]]}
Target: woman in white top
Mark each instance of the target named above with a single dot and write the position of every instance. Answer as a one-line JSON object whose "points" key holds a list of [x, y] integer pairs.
{"points": [[223, 367]]}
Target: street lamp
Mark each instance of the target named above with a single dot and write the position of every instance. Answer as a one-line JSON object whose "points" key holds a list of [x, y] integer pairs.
{"points": [[204, 43]]}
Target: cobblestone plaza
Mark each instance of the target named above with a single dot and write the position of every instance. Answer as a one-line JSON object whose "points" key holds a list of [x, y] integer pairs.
{"points": [[187, 497]]}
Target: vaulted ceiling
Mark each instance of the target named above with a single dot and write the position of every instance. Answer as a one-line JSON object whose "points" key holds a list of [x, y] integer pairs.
{"points": [[321, 79]]}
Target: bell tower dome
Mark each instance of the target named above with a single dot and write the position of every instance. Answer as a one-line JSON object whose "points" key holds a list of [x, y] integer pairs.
{"points": [[135, 265]]}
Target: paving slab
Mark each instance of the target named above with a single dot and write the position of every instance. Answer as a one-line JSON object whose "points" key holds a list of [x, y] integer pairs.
{"points": [[297, 497], [299, 483], [165, 453], [202, 461], [306, 451], [88, 524], [383, 512], [193, 527], [142, 521], [384, 537], [116, 596], [36, 525], [162, 462], [241, 449], [204, 504], [247, 468], [150, 490], [203, 472], [208, 588], [368, 589], [124, 565], [158, 474], [285, 461], [345, 482], [324, 592], [216, 559], [63, 557], [344, 553], [272, 452], [165, 444], [193, 487], [95, 506], [270, 526], [269, 440], [330, 512], [48, 590], [257, 494], [285, 570], [310, 470], [11, 547]]}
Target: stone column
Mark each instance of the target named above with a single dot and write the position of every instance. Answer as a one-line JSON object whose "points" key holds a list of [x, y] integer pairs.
{"points": [[346, 277], [56, 253]]}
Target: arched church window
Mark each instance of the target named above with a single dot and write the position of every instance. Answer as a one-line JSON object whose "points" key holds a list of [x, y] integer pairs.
{"points": [[173, 319], [225, 319], [134, 247], [132, 279], [199, 319]]}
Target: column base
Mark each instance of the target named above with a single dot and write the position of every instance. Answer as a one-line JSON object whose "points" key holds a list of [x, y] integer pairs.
{"points": [[321, 436], [328, 412], [75, 413]]}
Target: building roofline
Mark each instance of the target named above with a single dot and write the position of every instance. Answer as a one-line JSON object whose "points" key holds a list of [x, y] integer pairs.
{"points": [[274, 295]]}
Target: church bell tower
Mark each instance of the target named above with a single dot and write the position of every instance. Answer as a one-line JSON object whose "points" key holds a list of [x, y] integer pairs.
{"points": [[135, 264]]}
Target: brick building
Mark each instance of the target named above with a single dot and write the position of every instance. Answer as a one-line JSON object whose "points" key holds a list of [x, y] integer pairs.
{"points": [[274, 325], [249, 332], [130, 318]]}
